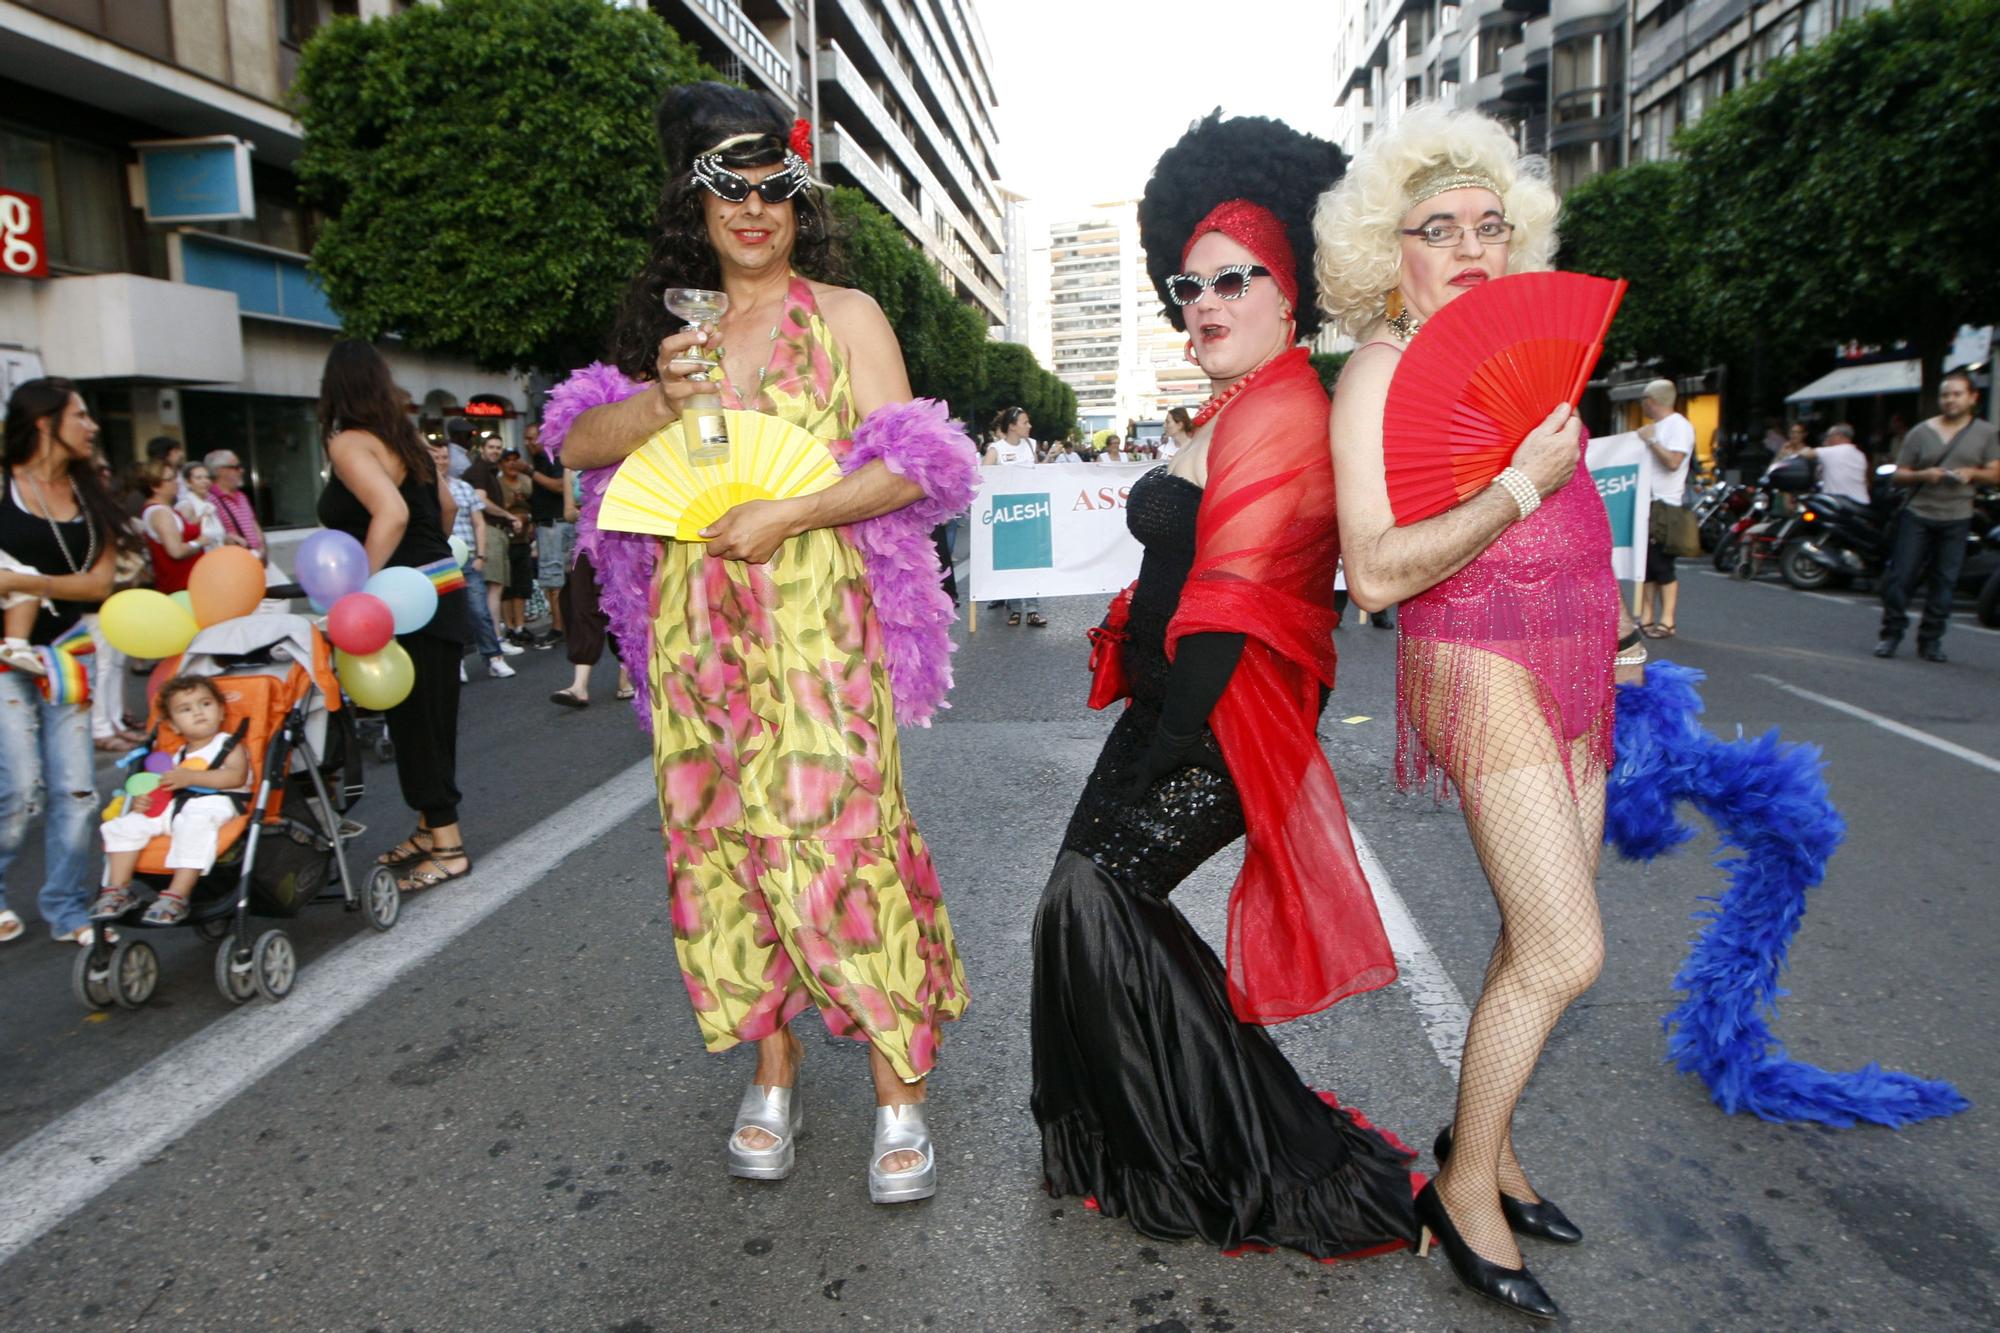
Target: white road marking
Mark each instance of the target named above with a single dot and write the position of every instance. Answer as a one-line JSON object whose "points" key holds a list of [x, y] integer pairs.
{"points": [[65, 1164], [1890, 725], [1965, 620], [1441, 1010]]}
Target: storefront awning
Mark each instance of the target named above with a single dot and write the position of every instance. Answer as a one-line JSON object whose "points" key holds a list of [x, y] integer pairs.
{"points": [[1863, 381]]}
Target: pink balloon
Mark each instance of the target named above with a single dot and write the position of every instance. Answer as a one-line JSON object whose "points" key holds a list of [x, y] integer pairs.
{"points": [[360, 623], [159, 761]]}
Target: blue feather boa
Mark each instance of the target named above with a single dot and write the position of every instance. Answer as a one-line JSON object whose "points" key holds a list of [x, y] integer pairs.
{"points": [[1778, 828]]}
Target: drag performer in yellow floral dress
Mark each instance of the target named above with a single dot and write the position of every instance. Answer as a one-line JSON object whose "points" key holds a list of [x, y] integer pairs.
{"points": [[781, 653]]}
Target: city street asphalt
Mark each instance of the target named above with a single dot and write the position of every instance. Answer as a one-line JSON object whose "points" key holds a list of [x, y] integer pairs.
{"points": [[498, 1116]]}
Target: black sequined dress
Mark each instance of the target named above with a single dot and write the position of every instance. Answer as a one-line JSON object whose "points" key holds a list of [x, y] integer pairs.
{"points": [[1151, 1095]]}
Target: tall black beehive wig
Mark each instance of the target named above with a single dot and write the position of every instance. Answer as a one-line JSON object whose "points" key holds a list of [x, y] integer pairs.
{"points": [[1250, 157]]}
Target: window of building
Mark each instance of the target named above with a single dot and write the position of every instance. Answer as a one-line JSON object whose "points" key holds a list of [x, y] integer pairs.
{"points": [[82, 189]]}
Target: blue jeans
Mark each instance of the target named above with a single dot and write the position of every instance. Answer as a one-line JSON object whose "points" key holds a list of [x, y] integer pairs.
{"points": [[1924, 546], [483, 637], [45, 768]]}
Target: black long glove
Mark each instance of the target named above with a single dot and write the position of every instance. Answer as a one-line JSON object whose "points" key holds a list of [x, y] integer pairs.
{"points": [[1202, 666]]}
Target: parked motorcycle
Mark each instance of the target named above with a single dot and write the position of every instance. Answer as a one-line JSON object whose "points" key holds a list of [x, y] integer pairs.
{"points": [[1754, 542], [1717, 508], [1839, 540]]}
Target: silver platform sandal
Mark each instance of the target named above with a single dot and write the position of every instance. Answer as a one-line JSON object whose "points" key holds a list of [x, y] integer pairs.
{"points": [[776, 1112], [902, 1129]]}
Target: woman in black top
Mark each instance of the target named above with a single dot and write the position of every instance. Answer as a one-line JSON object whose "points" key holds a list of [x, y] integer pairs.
{"points": [[386, 493], [57, 519]]}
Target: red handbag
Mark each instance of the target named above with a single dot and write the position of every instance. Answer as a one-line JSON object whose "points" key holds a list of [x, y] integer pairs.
{"points": [[1107, 658]]}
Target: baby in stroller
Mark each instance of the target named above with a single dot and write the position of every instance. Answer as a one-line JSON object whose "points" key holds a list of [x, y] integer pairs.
{"points": [[210, 760]]}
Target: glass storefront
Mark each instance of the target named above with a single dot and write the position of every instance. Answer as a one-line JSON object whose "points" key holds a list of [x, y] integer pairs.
{"points": [[278, 440]]}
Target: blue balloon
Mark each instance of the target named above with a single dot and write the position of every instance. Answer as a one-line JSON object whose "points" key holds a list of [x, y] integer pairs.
{"points": [[411, 597], [329, 565]]}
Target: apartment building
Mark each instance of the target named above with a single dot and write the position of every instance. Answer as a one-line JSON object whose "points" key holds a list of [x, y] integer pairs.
{"points": [[1025, 266], [1109, 341], [1688, 53], [171, 278], [901, 96], [1556, 70], [1553, 69]]}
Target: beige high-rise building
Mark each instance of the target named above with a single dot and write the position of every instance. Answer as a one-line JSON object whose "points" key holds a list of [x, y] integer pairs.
{"points": [[1109, 340]]}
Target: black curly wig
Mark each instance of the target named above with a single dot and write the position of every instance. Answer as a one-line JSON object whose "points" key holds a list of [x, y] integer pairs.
{"points": [[691, 119], [1251, 157]]}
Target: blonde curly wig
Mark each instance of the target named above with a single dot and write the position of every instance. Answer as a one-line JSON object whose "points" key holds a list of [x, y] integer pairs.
{"points": [[1355, 225]]}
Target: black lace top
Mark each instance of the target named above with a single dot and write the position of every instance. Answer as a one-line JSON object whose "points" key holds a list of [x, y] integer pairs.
{"points": [[1161, 514]]}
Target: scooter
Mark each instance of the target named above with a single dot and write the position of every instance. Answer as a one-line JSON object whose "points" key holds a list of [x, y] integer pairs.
{"points": [[1839, 540], [1753, 543]]}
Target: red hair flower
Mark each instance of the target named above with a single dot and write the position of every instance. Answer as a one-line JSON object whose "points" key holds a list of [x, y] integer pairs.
{"points": [[802, 139]]}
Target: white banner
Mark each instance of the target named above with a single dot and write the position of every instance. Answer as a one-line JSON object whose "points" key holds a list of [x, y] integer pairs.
{"points": [[1053, 530], [1058, 529], [1618, 465]]}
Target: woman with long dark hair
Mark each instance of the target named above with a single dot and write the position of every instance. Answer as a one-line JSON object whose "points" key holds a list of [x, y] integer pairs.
{"points": [[56, 518], [387, 494], [780, 652], [1157, 1089]]}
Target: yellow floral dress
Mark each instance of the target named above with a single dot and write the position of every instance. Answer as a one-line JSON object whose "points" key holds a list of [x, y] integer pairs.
{"points": [[797, 873]]}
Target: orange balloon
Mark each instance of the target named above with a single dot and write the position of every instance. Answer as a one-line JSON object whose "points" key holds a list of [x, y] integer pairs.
{"points": [[166, 670], [226, 583]]}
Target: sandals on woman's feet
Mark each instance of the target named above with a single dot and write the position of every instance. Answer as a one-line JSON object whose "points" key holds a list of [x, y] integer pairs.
{"points": [[411, 849], [10, 927], [430, 870], [169, 909], [113, 902], [1657, 631], [567, 698], [1014, 618], [1035, 620], [625, 692]]}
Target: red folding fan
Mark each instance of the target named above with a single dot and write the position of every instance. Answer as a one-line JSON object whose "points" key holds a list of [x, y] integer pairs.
{"points": [[1480, 375]]}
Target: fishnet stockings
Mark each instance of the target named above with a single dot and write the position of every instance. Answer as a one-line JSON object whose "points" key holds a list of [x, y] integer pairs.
{"points": [[1538, 843]]}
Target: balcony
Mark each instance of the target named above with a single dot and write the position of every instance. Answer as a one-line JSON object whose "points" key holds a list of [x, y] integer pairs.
{"points": [[837, 70], [268, 283], [1566, 15], [734, 30], [1682, 36], [120, 326], [838, 149], [1484, 95]]}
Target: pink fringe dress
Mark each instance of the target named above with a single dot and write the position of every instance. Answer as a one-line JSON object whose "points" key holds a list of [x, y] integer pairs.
{"points": [[1544, 597]]}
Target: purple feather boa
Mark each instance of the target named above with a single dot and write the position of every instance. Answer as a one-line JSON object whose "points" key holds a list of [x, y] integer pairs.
{"points": [[915, 440]]}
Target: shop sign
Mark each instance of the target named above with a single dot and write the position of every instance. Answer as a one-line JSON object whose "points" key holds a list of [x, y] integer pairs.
{"points": [[196, 180], [24, 253]]}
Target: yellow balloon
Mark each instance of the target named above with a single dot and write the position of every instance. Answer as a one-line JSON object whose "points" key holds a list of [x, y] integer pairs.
{"points": [[113, 808], [380, 680], [141, 622]]}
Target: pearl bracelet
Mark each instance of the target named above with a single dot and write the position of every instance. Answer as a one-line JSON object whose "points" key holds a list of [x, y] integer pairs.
{"points": [[1520, 490]]}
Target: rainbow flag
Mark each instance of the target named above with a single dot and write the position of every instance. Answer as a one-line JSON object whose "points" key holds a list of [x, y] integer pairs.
{"points": [[68, 678], [445, 575]]}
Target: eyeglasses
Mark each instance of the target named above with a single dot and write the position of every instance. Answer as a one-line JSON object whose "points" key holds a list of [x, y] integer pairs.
{"points": [[1230, 282], [733, 188], [1438, 235]]}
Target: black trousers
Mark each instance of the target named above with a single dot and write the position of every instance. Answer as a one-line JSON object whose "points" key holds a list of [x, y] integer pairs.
{"points": [[424, 728], [941, 538], [1924, 546], [585, 626]]}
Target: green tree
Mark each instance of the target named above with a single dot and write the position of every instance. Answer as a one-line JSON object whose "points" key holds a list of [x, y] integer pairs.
{"points": [[487, 169], [1633, 224], [1328, 365], [1846, 192]]}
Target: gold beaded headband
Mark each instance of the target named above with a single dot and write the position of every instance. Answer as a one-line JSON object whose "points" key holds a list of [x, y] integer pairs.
{"points": [[1434, 181]]}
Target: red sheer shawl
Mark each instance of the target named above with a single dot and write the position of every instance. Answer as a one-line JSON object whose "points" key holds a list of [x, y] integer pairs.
{"points": [[1303, 929]]}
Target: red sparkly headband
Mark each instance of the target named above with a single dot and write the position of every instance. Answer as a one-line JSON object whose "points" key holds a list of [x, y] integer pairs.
{"points": [[1257, 229]]}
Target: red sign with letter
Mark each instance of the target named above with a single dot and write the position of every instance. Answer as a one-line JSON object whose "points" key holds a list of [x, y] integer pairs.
{"points": [[23, 252]]}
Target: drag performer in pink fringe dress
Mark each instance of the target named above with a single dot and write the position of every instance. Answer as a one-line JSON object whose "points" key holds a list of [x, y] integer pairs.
{"points": [[1509, 635]]}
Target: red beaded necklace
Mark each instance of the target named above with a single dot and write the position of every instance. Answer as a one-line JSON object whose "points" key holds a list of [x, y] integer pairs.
{"points": [[1206, 412]]}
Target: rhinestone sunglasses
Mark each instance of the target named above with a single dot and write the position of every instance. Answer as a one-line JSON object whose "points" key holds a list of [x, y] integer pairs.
{"points": [[732, 187]]}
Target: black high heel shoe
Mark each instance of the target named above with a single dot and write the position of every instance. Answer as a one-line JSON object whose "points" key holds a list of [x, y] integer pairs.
{"points": [[1543, 1221], [1514, 1288]]}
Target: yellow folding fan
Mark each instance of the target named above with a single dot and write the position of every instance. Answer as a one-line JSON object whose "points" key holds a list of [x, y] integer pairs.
{"points": [[657, 491]]}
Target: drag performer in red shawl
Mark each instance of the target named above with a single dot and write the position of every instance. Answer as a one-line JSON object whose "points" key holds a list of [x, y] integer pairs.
{"points": [[1156, 1090]]}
